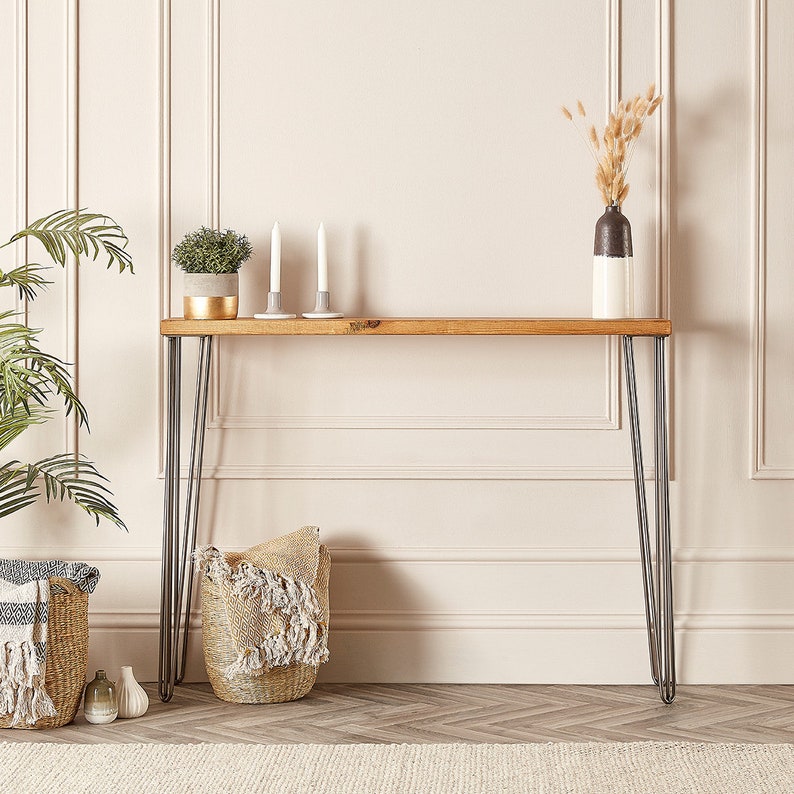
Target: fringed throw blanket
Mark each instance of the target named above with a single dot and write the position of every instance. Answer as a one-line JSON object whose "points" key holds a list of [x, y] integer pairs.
{"points": [[24, 602], [273, 609]]}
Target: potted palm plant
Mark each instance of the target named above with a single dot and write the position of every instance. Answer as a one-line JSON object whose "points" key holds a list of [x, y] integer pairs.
{"points": [[31, 379], [210, 260]]}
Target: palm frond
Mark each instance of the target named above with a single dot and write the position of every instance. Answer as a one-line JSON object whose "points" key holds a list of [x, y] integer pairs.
{"points": [[81, 233], [13, 423], [30, 376], [65, 477], [14, 493], [26, 279]]}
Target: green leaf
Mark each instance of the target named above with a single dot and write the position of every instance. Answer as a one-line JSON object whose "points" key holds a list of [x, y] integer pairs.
{"points": [[29, 376], [26, 279], [65, 477], [81, 233], [15, 422]]}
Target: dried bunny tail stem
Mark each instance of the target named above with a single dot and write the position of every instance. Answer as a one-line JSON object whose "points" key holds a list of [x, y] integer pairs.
{"points": [[623, 194], [594, 138], [566, 113], [601, 178], [650, 92], [580, 107], [655, 104]]}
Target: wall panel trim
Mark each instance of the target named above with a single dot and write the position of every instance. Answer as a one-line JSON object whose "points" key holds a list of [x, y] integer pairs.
{"points": [[72, 201], [21, 142], [445, 555], [377, 621], [760, 469]]}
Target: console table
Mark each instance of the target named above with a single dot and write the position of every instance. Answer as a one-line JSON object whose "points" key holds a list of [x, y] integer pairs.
{"points": [[179, 525]]}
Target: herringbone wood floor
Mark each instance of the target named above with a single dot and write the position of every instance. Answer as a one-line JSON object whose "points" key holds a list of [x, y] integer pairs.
{"points": [[419, 713]]}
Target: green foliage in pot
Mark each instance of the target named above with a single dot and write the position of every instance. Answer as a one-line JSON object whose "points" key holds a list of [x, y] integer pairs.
{"points": [[211, 251], [31, 379]]}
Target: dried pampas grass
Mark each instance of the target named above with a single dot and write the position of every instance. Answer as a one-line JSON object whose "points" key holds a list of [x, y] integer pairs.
{"points": [[619, 140]]}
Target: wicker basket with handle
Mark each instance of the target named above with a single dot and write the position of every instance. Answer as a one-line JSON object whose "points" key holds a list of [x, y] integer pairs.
{"points": [[277, 685], [67, 654]]}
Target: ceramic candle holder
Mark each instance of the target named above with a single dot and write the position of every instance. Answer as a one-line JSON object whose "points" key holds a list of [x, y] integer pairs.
{"points": [[322, 310]]}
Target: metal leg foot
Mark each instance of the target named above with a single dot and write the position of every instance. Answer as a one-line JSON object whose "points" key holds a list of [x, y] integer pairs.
{"points": [[658, 588]]}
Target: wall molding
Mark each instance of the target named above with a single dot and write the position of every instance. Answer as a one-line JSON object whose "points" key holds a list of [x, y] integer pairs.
{"points": [[219, 419], [664, 187], [472, 472], [378, 621], [760, 469], [21, 143], [164, 210], [412, 422], [72, 201], [444, 555], [758, 229]]}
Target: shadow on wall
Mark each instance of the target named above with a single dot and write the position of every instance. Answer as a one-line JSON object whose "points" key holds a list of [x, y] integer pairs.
{"points": [[370, 595], [712, 305]]}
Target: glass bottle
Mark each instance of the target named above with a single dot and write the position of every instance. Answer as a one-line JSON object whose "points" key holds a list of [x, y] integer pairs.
{"points": [[101, 705]]}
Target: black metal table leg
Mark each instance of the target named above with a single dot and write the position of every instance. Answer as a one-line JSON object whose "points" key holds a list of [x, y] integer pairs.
{"points": [[658, 588], [177, 565]]}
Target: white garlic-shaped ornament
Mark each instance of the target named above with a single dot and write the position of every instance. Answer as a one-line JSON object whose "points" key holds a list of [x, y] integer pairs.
{"points": [[132, 698]]}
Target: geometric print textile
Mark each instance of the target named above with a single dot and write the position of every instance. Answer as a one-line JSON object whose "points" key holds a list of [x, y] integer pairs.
{"points": [[24, 603]]}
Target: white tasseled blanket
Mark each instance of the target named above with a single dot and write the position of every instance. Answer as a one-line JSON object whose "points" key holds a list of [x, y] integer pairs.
{"points": [[24, 605], [275, 619]]}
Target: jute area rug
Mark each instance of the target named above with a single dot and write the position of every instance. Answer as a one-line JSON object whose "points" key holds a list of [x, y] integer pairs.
{"points": [[385, 769]]}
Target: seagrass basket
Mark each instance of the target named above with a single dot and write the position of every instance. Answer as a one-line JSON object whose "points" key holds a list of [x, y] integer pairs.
{"points": [[67, 654], [277, 685]]}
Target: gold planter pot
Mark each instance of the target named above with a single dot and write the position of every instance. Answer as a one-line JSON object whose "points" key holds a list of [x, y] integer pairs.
{"points": [[210, 296]]}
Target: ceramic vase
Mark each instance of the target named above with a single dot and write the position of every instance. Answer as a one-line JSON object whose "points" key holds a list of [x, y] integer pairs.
{"points": [[613, 267], [100, 705], [133, 700]]}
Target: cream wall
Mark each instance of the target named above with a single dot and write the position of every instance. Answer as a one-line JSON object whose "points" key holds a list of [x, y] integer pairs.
{"points": [[476, 493]]}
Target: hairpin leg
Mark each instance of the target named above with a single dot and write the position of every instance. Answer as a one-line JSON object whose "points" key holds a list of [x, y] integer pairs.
{"points": [[658, 589], [177, 566], [170, 519], [193, 492]]}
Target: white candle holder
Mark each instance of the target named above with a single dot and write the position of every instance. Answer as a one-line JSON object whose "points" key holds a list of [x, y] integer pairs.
{"points": [[274, 310], [322, 310]]}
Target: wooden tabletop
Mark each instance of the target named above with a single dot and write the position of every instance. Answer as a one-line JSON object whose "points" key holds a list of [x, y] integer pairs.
{"points": [[409, 326]]}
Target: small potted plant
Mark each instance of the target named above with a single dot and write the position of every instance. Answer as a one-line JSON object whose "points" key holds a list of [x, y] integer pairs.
{"points": [[210, 260]]}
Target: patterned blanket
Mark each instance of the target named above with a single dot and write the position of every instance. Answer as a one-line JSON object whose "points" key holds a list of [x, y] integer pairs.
{"points": [[268, 591], [24, 603]]}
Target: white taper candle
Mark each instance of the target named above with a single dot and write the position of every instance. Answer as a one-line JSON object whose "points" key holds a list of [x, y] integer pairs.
{"points": [[322, 260], [275, 258]]}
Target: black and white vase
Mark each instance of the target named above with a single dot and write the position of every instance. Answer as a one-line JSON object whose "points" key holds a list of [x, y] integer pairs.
{"points": [[613, 270]]}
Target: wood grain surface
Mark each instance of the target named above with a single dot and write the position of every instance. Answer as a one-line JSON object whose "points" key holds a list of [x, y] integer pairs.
{"points": [[417, 326]]}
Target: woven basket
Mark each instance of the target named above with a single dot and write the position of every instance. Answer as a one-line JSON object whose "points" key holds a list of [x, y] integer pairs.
{"points": [[67, 654], [277, 685]]}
